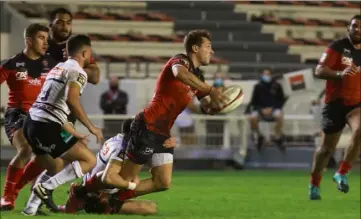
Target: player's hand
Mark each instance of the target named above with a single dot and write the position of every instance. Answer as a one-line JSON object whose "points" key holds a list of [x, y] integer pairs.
{"points": [[351, 71], [82, 138], [170, 143], [218, 99], [98, 134]]}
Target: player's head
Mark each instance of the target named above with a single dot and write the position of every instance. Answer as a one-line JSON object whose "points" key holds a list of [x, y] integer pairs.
{"points": [[126, 126], [36, 38], [79, 47], [198, 42], [354, 29], [95, 203], [113, 82], [60, 22]]}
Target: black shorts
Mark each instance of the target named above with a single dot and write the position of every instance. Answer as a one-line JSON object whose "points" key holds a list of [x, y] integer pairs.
{"points": [[13, 121], [334, 116], [45, 137], [144, 143]]}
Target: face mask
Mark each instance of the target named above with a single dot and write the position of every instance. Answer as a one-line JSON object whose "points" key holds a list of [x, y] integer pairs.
{"points": [[218, 82], [266, 78]]}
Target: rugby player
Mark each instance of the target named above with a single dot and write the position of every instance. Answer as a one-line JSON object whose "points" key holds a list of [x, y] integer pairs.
{"points": [[340, 67], [59, 96], [25, 74]]}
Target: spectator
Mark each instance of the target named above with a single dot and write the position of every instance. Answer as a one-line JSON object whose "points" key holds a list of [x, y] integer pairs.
{"points": [[266, 103], [113, 101], [215, 128]]}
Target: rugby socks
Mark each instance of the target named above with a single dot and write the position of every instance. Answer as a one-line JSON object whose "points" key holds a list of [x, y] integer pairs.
{"points": [[69, 173], [126, 194], [34, 201], [31, 171], [13, 175], [316, 179], [344, 168]]}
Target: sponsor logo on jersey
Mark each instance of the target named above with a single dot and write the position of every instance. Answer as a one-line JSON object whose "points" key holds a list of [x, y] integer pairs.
{"points": [[35, 82], [21, 75], [81, 79], [20, 64]]}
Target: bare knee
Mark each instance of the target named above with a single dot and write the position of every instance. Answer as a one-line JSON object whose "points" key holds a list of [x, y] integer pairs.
{"points": [[163, 183], [148, 207], [24, 151]]}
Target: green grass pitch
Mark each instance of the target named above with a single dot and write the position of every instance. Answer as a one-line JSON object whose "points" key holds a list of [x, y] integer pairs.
{"points": [[249, 194]]}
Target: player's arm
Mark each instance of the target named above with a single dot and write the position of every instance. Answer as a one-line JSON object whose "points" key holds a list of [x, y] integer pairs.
{"points": [[71, 130], [4, 74], [93, 72], [328, 62], [76, 81], [111, 176]]}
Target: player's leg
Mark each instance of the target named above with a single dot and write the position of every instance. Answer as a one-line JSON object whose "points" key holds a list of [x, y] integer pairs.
{"points": [[352, 151], [139, 207], [13, 127], [333, 122], [79, 159]]}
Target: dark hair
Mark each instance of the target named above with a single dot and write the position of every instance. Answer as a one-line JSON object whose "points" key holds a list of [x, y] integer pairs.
{"points": [[357, 17], [195, 37], [77, 42], [33, 29], [53, 13], [126, 125], [94, 205]]}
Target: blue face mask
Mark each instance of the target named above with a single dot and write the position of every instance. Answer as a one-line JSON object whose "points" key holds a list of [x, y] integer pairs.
{"points": [[218, 82], [266, 78]]}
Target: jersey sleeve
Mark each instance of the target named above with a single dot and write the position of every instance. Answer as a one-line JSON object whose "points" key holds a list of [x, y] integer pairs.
{"points": [[4, 74], [332, 55], [179, 61], [77, 77]]}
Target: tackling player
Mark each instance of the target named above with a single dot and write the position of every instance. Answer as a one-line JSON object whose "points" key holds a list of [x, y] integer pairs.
{"points": [[25, 74], [105, 177], [340, 66]]}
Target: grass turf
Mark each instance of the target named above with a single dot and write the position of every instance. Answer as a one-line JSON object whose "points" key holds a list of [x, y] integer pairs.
{"points": [[244, 194]]}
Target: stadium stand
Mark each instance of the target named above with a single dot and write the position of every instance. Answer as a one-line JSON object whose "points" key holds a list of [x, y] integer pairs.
{"points": [[139, 41]]}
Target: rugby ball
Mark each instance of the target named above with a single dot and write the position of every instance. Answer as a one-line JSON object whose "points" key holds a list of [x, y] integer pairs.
{"points": [[235, 98]]}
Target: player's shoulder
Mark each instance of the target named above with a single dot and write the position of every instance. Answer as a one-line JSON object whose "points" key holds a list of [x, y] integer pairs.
{"points": [[340, 44], [116, 143], [14, 62], [180, 59]]}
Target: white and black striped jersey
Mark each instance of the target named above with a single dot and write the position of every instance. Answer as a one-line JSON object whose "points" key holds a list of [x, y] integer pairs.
{"points": [[113, 149], [50, 105]]}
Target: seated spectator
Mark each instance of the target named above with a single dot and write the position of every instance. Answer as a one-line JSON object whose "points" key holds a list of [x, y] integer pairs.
{"points": [[266, 104]]}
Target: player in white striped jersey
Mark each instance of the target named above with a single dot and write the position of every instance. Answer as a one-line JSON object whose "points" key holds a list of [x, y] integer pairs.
{"points": [[60, 95]]}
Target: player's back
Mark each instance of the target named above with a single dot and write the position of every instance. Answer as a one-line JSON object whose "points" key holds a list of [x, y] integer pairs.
{"points": [[113, 148], [171, 97], [51, 102]]}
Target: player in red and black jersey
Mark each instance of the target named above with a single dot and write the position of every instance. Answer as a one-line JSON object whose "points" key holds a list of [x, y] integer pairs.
{"points": [[340, 65], [179, 81], [25, 74]]}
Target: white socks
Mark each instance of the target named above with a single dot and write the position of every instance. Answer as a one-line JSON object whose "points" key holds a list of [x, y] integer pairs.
{"points": [[34, 202], [69, 173]]}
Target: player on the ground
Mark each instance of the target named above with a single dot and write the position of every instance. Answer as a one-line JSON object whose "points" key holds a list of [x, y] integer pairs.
{"points": [[60, 23], [25, 74], [179, 81], [59, 96], [109, 159], [340, 66]]}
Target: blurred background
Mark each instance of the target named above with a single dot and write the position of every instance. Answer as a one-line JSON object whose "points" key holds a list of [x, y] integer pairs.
{"points": [[133, 40]]}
